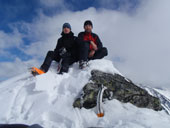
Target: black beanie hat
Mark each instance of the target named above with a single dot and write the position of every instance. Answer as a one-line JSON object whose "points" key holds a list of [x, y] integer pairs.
{"points": [[66, 25], [88, 22]]}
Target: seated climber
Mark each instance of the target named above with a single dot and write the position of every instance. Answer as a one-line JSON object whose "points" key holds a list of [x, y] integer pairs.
{"points": [[90, 46], [64, 53]]}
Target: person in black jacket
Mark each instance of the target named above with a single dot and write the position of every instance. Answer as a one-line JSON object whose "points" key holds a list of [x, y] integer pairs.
{"points": [[90, 46], [64, 53]]}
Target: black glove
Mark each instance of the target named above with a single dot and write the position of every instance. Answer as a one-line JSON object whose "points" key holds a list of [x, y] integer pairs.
{"points": [[63, 52]]}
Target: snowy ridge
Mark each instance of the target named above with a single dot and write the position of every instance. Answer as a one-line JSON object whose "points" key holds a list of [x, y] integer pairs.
{"points": [[47, 100], [161, 94]]}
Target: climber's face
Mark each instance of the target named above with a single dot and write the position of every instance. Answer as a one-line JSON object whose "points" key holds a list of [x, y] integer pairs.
{"points": [[66, 30], [88, 28]]}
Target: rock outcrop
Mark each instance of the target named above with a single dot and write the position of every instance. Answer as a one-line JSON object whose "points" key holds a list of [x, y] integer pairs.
{"points": [[118, 87]]}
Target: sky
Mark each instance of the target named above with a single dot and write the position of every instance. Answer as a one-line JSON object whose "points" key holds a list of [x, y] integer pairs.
{"points": [[136, 33]]}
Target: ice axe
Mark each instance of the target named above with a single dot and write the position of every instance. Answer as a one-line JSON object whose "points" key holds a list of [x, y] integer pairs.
{"points": [[100, 111]]}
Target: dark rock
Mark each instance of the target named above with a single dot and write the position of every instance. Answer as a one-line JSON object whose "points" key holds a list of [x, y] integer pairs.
{"points": [[118, 87]]}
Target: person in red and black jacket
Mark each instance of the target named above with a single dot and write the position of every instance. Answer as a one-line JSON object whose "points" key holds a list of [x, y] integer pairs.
{"points": [[90, 46]]}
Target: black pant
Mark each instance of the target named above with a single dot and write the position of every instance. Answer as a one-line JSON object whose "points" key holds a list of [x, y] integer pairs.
{"points": [[51, 55], [84, 50]]}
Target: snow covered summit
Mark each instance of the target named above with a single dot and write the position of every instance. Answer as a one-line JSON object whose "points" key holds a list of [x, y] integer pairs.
{"points": [[47, 100]]}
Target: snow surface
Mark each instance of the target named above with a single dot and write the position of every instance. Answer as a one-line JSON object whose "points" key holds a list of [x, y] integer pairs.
{"points": [[47, 100]]}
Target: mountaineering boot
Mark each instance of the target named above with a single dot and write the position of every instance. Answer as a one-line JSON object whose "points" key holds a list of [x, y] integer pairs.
{"points": [[36, 71], [83, 64]]}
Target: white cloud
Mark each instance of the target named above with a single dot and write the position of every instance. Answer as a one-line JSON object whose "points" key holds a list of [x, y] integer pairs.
{"points": [[140, 42], [10, 39], [11, 69]]}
